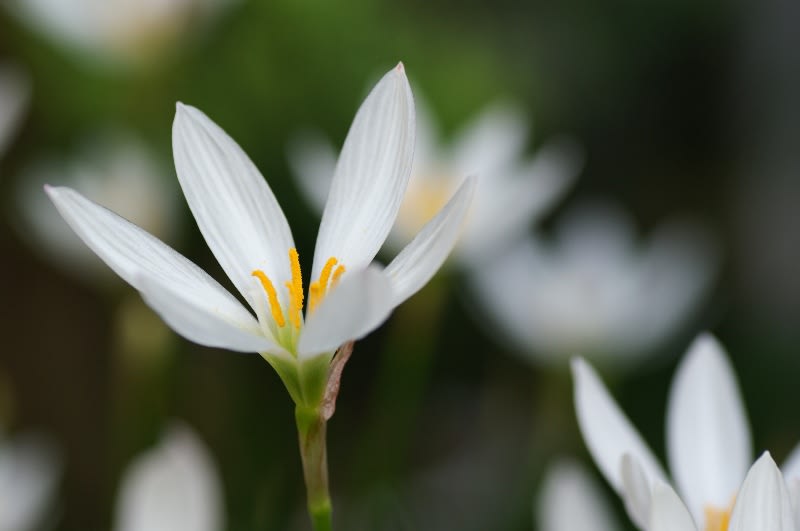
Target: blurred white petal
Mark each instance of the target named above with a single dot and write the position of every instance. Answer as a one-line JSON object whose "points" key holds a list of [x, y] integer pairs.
{"points": [[708, 439], [371, 176], [172, 487], [313, 160], [791, 472], [763, 503], [668, 513], [637, 490], [607, 432], [570, 500]]}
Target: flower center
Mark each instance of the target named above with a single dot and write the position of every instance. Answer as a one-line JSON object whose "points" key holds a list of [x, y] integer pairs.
{"points": [[717, 519], [328, 279]]}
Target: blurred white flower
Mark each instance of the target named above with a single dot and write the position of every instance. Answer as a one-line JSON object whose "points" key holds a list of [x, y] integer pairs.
{"points": [[763, 503], [570, 500], [14, 94], [118, 171], [29, 472], [115, 30], [172, 487], [594, 289], [511, 193], [708, 440]]}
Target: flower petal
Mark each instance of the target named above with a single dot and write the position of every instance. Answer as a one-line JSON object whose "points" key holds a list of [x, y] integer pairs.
{"points": [[234, 207], [357, 306], [668, 513], [190, 315], [763, 502], [570, 500], [174, 487], [30, 467], [708, 440], [606, 430], [158, 272], [371, 176], [637, 490], [419, 261]]}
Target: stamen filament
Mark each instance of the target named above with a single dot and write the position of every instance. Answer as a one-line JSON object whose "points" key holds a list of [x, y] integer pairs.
{"points": [[272, 296]]}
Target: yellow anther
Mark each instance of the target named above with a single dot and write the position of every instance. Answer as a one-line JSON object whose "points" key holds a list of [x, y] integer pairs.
{"points": [[295, 288], [318, 288], [272, 296], [337, 275]]}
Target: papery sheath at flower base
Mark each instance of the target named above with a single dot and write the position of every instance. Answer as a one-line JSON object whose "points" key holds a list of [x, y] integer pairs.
{"points": [[244, 227], [708, 442]]}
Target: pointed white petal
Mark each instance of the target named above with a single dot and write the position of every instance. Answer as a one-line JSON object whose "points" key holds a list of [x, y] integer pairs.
{"points": [[419, 261], [355, 308], [606, 430], [637, 490], [148, 264], [571, 500], [192, 315], [313, 161], [668, 513], [708, 441], [763, 502], [173, 487], [371, 176], [234, 207]]}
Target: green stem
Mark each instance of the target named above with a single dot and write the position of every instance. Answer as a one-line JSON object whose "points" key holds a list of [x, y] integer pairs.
{"points": [[311, 433]]}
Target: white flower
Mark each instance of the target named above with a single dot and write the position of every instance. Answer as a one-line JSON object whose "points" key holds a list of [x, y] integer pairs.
{"points": [[708, 441], [116, 30], [29, 470], [246, 230], [763, 503], [570, 500], [512, 192], [172, 487], [14, 93], [120, 173], [594, 289]]}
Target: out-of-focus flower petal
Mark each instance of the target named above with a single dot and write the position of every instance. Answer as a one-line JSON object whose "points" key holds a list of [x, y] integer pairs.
{"points": [[29, 471], [668, 513], [708, 440]]}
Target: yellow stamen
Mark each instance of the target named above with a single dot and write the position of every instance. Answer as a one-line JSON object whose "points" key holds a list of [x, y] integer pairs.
{"points": [[337, 275], [326, 273], [717, 519], [317, 288], [272, 296], [295, 288]]}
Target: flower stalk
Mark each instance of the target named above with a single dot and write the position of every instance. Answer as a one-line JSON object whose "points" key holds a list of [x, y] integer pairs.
{"points": [[311, 429]]}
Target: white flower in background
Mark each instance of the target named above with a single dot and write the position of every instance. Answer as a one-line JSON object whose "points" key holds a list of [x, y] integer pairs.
{"points": [[14, 94], [571, 500], [708, 441], [512, 191], [593, 288], [115, 30], [248, 233], [172, 487], [29, 472], [763, 504], [116, 170]]}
